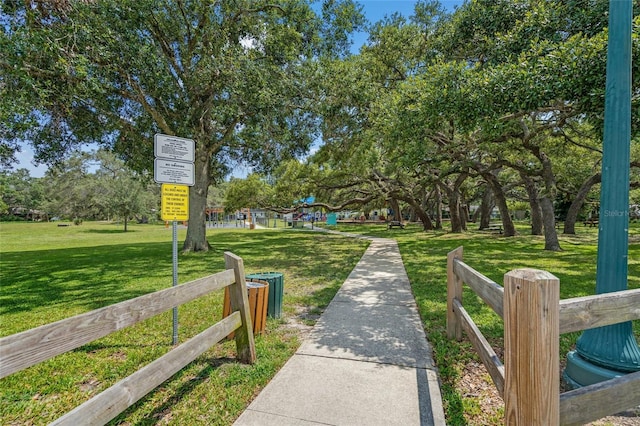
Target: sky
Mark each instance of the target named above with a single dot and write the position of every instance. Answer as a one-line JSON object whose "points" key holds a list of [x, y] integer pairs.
{"points": [[375, 10]]}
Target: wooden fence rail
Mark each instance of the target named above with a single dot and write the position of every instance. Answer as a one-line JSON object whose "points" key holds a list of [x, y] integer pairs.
{"points": [[534, 317], [31, 347]]}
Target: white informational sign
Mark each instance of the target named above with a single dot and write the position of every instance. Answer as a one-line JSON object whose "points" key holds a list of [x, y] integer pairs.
{"points": [[172, 171], [174, 148], [174, 160]]}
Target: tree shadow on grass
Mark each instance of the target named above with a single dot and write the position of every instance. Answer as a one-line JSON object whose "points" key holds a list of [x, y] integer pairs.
{"points": [[109, 231], [90, 277], [98, 345], [269, 250], [80, 279], [178, 395]]}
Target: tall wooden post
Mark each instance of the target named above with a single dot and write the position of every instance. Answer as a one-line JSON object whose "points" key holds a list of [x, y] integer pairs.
{"points": [[454, 291], [239, 299], [531, 340]]}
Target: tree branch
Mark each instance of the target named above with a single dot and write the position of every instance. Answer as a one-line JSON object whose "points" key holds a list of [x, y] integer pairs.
{"points": [[164, 45], [329, 207], [142, 98], [578, 144]]}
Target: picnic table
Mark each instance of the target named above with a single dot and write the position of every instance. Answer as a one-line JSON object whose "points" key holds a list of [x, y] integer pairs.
{"points": [[395, 223], [591, 222], [492, 228]]}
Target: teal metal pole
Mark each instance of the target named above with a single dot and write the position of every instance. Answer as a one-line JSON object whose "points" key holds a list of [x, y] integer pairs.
{"points": [[612, 351]]}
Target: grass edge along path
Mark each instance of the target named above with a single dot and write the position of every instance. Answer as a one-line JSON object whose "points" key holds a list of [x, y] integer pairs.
{"points": [[49, 273], [469, 396]]}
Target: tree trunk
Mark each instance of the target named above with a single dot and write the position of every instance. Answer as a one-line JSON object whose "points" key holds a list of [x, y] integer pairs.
{"points": [[438, 207], [427, 225], [548, 216], [412, 215], [424, 206], [395, 207], [475, 215], [578, 201], [486, 207], [125, 224], [196, 239], [464, 216], [454, 195], [534, 203], [501, 202], [454, 211], [536, 217], [419, 211]]}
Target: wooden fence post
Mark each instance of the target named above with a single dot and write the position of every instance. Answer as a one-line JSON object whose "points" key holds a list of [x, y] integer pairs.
{"points": [[531, 341], [239, 299], [454, 291]]}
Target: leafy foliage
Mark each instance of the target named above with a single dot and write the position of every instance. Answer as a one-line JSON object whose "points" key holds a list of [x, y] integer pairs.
{"points": [[500, 91], [237, 77]]}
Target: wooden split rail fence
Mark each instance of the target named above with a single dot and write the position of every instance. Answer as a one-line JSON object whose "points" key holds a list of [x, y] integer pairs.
{"points": [[31, 347], [534, 317]]}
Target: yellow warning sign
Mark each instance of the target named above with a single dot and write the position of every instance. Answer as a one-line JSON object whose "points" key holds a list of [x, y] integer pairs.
{"points": [[175, 202]]}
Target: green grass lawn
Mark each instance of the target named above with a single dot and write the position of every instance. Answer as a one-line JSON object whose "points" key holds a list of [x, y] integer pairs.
{"points": [[49, 273]]}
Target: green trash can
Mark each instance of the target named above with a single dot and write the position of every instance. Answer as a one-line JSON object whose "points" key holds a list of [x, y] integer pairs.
{"points": [[276, 291]]}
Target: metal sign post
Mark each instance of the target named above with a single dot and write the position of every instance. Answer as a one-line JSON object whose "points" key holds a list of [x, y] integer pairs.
{"points": [[174, 340], [173, 168], [175, 207]]}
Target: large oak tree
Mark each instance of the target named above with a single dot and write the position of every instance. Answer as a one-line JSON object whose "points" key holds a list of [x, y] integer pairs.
{"points": [[237, 76]]}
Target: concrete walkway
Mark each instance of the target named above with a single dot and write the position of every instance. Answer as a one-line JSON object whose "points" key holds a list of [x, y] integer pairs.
{"points": [[367, 361]]}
